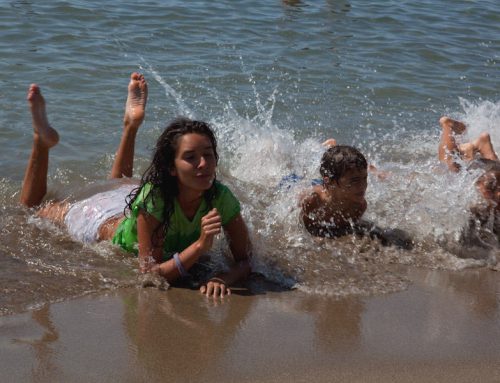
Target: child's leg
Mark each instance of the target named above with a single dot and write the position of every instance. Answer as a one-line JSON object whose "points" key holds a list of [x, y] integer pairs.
{"points": [[467, 151], [44, 137], [447, 145], [134, 115], [484, 146], [54, 211]]}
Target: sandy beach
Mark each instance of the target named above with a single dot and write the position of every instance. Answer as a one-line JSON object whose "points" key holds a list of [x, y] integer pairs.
{"points": [[444, 327]]}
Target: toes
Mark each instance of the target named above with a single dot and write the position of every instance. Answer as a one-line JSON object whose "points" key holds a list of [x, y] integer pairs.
{"points": [[33, 90], [443, 120]]}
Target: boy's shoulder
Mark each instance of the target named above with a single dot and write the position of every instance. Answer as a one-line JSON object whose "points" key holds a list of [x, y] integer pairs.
{"points": [[313, 198], [315, 210]]}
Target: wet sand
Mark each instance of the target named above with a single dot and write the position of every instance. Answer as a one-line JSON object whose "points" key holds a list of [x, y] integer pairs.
{"points": [[445, 327]]}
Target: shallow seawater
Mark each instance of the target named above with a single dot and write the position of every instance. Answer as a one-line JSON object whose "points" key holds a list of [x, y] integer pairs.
{"points": [[275, 79]]}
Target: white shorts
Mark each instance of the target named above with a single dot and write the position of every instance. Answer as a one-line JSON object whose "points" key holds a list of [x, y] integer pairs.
{"points": [[84, 218]]}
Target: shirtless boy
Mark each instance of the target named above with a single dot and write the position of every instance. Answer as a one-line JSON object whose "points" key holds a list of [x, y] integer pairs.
{"points": [[331, 209]]}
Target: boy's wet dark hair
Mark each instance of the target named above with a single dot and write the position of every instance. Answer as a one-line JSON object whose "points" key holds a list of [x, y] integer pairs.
{"points": [[339, 159]]}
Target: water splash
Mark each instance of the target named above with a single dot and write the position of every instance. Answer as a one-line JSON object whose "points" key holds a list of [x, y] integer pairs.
{"points": [[170, 92], [419, 196], [482, 116]]}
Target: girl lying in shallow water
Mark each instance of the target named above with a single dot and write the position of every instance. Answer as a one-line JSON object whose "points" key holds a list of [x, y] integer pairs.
{"points": [[174, 212]]}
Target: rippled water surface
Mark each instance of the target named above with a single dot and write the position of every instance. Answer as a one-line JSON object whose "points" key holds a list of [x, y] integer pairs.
{"points": [[275, 78]]}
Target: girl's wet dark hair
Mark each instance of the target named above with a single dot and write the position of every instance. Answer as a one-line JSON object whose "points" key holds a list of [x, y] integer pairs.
{"points": [[159, 171], [337, 160]]}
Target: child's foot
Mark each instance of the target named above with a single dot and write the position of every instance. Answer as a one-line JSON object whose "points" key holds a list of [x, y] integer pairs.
{"points": [[329, 143], [42, 131], [456, 126], [136, 100]]}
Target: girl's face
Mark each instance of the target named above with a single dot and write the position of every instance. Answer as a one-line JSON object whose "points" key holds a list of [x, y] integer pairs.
{"points": [[195, 163]]}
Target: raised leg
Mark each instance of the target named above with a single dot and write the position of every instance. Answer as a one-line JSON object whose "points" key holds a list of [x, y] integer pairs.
{"points": [[44, 137], [448, 147], [484, 146], [134, 115], [467, 151]]}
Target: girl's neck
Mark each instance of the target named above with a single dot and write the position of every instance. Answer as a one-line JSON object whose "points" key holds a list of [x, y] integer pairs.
{"points": [[188, 197], [189, 201]]}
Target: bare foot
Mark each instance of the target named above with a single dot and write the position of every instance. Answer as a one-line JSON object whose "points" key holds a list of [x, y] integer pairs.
{"points": [[329, 143], [136, 100], [456, 126], [42, 131]]}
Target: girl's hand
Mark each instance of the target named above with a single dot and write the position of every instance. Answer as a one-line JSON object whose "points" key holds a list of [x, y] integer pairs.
{"points": [[215, 287], [211, 225], [147, 264]]}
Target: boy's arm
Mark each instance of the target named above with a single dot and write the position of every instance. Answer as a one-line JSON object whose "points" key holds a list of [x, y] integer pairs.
{"points": [[388, 237]]}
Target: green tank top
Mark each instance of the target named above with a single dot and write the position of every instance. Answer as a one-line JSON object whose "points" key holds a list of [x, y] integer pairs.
{"points": [[182, 232]]}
